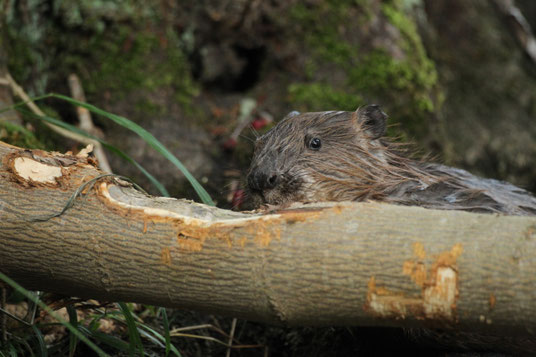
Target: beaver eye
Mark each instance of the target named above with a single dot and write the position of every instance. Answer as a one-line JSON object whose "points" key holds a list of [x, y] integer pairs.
{"points": [[315, 144]]}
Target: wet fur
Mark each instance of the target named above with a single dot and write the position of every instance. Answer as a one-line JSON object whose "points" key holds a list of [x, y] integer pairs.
{"points": [[354, 165]]}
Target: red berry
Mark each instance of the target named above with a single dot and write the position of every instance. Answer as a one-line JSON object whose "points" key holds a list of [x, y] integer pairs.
{"points": [[238, 198], [230, 144], [259, 123]]}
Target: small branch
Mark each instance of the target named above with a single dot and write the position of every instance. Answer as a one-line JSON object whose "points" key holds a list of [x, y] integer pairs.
{"points": [[77, 92], [86, 123], [519, 26], [231, 336]]}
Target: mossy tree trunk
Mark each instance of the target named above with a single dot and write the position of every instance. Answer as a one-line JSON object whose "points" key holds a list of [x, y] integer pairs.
{"points": [[5, 93], [323, 264], [490, 88]]}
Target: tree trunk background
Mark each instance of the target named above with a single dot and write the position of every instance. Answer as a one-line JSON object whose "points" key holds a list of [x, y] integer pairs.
{"points": [[490, 88]]}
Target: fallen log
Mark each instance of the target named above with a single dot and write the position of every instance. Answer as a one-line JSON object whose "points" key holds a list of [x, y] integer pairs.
{"points": [[319, 264]]}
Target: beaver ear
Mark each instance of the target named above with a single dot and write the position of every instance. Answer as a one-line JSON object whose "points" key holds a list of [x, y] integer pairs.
{"points": [[372, 119]]}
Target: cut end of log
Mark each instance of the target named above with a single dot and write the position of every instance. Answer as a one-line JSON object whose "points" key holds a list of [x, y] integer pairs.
{"points": [[31, 170], [42, 169]]}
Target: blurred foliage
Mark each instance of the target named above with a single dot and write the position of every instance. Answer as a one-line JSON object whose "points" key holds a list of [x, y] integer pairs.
{"points": [[319, 96], [126, 65], [17, 135], [407, 86], [111, 44], [95, 14]]}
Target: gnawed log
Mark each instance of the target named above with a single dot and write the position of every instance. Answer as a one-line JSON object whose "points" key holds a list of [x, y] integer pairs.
{"points": [[322, 264]]}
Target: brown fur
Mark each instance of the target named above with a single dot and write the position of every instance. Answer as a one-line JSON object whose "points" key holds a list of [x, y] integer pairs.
{"points": [[354, 163]]}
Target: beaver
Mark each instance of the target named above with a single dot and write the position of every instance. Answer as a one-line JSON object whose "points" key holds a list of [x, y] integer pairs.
{"points": [[344, 156]]}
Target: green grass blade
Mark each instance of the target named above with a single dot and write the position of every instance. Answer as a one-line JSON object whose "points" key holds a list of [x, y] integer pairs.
{"points": [[151, 338], [12, 351], [43, 306], [20, 104], [149, 138], [43, 352], [112, 148], [166, 329], [162, 338], [144, 134], [94, 324], [114, 342], [133, 333], [73, 320], [20, 348], [25, 344]]}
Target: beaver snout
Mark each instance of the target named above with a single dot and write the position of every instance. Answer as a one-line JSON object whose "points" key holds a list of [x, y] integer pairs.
{"points": [[259, 181]]}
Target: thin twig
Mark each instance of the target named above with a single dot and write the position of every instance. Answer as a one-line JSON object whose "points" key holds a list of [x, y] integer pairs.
{"points": [[231, 336], [5, 315], [34, 307], [86, 124], [210, 338], [519, 26], [197, 327]]}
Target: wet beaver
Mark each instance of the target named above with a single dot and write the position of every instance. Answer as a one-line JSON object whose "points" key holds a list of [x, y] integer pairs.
{"points": [[343, 156]]}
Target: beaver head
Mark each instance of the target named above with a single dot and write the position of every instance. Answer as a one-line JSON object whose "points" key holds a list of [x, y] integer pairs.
{"points": [[332, 156]]}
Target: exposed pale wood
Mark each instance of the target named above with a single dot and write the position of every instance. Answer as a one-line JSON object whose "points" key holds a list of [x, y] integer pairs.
{"points": [[322, 264]]}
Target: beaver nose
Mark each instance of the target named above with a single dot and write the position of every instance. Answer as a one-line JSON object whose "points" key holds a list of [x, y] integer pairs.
{"points": [[260, 181], [272, 181]]}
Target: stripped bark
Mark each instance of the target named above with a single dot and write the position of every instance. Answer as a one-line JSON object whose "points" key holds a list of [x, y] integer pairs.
{"points": [[321, 264]]}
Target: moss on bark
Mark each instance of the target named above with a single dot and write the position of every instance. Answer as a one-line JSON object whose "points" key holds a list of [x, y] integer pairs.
{"points": [[351, 65]]}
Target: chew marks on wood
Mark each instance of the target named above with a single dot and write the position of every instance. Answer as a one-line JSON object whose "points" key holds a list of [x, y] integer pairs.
{"points": [[439, 289], [40, 168]]}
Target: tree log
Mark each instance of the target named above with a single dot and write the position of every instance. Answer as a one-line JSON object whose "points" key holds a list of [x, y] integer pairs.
{"points": [[318, 264]]}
